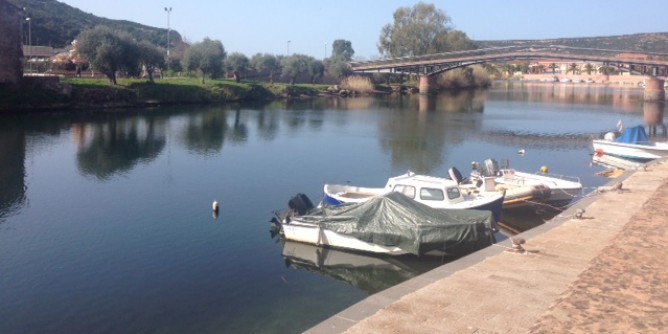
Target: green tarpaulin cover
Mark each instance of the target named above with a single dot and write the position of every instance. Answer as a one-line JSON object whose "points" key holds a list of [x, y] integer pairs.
{"points": [[396, 220]]}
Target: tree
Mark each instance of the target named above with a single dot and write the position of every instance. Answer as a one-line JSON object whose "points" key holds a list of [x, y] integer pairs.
{"points": [[421, 30], [150, 57], [573, 67], [316, 69], [339, 68], [342, 49], [588, 68], [266, 64], [108, 51], [553, 67], [206, 56], [295, 65], [237, 63]]}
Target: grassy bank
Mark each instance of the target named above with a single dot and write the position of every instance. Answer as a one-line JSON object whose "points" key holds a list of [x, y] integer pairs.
{"points": [[87, 93]]}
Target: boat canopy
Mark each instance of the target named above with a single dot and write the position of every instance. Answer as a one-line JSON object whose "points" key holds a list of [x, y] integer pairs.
{"points": [[634, 135], [396, 220]]}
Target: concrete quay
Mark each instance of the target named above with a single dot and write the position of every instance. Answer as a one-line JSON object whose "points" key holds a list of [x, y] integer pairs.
{"points": [[605, 272]]}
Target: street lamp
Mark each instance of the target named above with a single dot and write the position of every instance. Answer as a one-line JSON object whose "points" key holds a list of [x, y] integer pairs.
{"points": [[288, 48], [29, 43], [168, 10]]}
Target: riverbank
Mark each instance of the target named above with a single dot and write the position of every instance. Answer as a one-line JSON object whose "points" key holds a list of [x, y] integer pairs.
{"points": [[51, 93], [604, 272]]}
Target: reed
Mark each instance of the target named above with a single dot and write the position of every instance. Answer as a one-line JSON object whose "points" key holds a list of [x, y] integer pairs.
{"points": [[358, 83]]}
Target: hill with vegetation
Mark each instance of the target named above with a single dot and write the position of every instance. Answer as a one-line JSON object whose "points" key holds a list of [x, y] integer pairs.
{"points": [[644, 42], [56, 24]]}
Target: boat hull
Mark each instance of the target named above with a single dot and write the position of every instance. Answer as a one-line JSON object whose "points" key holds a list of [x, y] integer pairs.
{"points": [[636, 152], [315, 235]]}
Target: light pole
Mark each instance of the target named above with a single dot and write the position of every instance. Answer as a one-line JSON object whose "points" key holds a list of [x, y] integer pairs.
{"points": [[29, 43], [288, 49], [325, 50], [168, 10]]}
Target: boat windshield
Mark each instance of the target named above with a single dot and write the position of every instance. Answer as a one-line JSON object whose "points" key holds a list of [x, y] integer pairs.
{"points": [[453, 193], [407, 190]]}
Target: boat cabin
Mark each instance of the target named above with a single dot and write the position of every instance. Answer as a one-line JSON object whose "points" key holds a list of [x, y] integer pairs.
{"points": [[426, 189]]}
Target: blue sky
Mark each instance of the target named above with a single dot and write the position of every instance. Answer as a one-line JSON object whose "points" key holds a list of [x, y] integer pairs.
{"points": [[252, 26]]}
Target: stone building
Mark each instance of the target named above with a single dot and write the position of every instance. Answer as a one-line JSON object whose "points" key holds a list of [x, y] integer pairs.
{"points": [[11, 54]]}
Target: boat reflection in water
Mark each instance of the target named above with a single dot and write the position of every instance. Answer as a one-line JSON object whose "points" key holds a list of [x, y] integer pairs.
{"points": [[370, 273]]}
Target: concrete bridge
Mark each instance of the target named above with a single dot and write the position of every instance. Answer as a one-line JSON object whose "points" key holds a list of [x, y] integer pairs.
{"points": [[428, 66]]}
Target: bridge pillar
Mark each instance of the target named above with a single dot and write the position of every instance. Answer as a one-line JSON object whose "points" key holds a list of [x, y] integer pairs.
{"points": [[653, 90], [428, 84]]}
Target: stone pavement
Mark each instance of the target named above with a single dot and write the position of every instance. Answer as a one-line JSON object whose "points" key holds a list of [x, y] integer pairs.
{"points": [[605, 272]]}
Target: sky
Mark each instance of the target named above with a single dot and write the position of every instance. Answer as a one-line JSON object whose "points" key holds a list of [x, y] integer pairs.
{"points": [[310, 26]]}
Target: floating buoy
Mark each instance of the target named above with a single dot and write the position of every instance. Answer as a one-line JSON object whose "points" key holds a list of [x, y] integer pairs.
{"points": [[544, 170], [521, 152], [215, 207]]}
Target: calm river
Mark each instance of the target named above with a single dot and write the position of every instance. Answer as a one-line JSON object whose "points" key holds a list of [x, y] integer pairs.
{"points": [[106, 223]]}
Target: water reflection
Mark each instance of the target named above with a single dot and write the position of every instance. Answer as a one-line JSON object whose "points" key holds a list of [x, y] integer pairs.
{"points": [[418, 142], [12, 168], [117, 145], [653, 117], [205, 132], [363, 271]]}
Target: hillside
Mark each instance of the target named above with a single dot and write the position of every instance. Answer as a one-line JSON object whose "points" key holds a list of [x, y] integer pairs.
{"points": [[56, 24], [645, 42]]}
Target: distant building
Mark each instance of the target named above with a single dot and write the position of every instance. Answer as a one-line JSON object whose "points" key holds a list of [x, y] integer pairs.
{"points": [[11, 54]]}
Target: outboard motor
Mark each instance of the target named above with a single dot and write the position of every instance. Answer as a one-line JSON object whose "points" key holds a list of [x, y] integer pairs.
{"points": [[490, 168], [300, 204]]}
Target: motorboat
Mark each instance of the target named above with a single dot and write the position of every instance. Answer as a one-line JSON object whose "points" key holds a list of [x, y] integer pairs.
{"points": [[633, 143], [435, 192], [521, 189], [391, 224]]}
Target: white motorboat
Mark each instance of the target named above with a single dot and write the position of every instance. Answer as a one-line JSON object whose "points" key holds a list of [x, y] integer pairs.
{"points": [[391, 224], [632, 144], [521, 188], [436, 192]]}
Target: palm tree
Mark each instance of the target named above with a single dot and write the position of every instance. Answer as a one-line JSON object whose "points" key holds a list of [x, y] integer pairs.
{"points": [[589, 68], [573, 67], [553, 67]]}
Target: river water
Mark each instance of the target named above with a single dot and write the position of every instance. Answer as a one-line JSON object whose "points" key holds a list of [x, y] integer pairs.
{"points": [[106, 223]]}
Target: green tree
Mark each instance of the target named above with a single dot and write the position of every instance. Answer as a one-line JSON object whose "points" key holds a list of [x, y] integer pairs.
{"points": [[606, 70], [296, 65], [553, 67], [573, 68], [588, 68], [109, 51], [316, 69], [422, 29], [339, 68], [265, 64], [206, 56], [150, 57], [342, 49], [238, 64]]}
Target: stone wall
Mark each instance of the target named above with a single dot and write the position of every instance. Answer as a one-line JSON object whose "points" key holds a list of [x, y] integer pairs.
{"points": [[11, 54]]}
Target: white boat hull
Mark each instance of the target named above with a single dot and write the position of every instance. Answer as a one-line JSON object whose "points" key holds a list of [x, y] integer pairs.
{"points": [[630, 151], [312, 234]]}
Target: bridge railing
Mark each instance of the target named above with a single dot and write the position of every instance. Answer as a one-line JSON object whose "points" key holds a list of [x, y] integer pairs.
{"points": [[525, 50]]}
